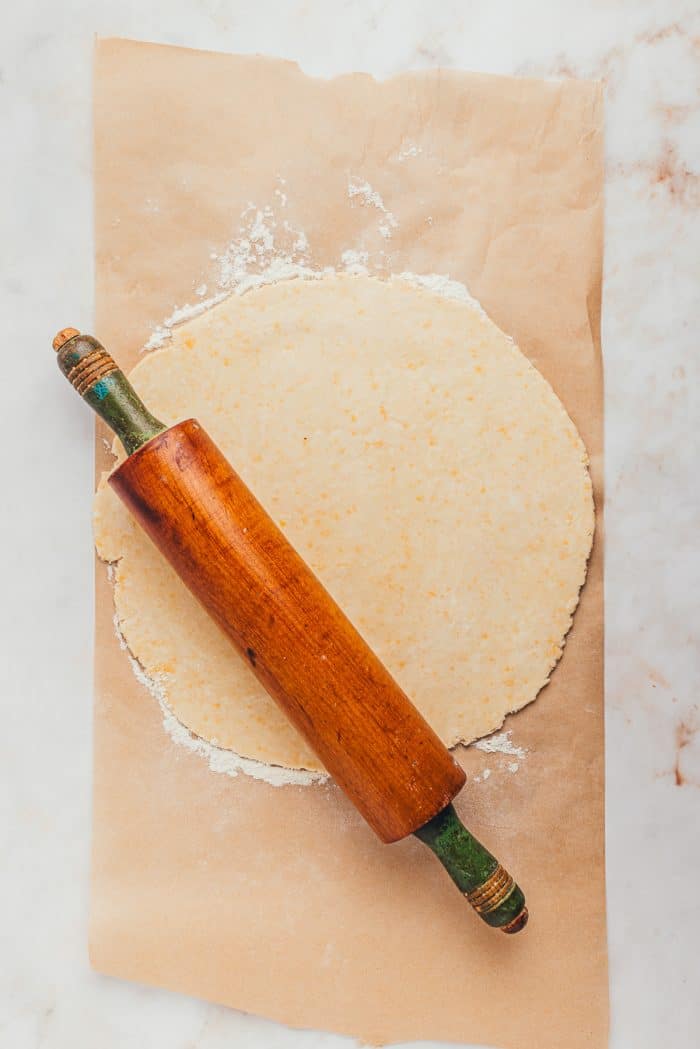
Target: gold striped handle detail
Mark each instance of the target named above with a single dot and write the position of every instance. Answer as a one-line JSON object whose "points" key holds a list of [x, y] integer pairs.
{"points": [[95, 366], [497, 887]]}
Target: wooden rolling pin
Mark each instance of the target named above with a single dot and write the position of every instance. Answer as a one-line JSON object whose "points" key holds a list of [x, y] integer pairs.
{"points": [[303, 649]]}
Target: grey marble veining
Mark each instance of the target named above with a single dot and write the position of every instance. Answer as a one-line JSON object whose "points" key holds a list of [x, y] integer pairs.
{"points": [[648, 53]]}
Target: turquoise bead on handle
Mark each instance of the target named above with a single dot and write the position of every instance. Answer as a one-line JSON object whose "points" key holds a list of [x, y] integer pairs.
{"points": [[486, 885]]}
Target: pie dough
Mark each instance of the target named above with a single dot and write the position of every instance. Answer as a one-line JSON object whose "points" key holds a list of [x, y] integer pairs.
{"points": [[418, 462]]}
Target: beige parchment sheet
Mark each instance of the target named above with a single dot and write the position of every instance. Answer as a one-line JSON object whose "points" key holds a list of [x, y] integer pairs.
{"points": [[278, 900]]}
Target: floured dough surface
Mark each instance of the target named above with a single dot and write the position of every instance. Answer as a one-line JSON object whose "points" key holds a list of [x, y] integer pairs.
{"points": [[418, 462]]}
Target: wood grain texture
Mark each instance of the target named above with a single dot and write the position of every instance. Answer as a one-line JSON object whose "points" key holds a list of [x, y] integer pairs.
{"points": [[301, 646]]}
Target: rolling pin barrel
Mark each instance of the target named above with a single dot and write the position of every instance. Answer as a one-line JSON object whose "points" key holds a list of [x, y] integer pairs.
{"points": [[309, 657], [304, 650]]}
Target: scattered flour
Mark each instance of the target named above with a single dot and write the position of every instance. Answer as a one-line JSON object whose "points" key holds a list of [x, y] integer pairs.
{"points": [[229, 763], [440, 285], [484, 776], [260, 254], [223, 761], [410, 151], [500, 743], [369, 197], [183, 313], [355, 262]]}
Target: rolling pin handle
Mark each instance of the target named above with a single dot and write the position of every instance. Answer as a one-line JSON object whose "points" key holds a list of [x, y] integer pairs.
{"points": [[93, 372], [486, 885]]}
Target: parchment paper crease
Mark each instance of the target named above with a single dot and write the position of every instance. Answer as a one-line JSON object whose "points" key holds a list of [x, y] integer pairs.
{"points": [[279, 901]]}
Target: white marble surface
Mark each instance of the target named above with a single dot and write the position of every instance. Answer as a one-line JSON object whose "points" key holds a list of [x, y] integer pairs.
{"points": [[649, 54]]}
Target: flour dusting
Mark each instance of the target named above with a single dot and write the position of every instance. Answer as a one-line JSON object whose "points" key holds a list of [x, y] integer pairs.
{"points": [[369, 197], [501, 743], [229, 763], [439, 284], [484, 776], [264, 251], [409, 151], [219, 760], [355, 262]]}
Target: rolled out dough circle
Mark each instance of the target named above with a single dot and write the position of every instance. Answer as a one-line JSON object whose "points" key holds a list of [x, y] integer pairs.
{"points": [[417, 461]]}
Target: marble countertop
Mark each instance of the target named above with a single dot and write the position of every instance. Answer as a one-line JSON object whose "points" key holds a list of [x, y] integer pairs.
{"points": [[648, 53]]}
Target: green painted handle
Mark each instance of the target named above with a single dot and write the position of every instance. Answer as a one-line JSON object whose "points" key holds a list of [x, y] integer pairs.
{"points": [[92, 371], [487, 886]]}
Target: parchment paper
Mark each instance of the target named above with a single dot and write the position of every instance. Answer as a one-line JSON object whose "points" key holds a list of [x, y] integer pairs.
{"points": [[279, 901]]}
